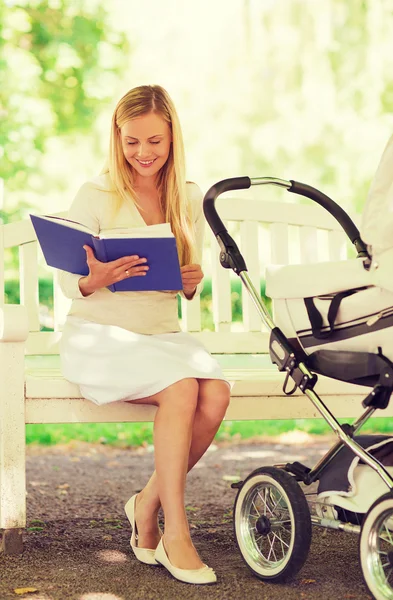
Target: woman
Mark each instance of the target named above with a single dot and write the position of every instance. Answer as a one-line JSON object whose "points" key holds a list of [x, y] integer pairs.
{"points": [[128, 345]]}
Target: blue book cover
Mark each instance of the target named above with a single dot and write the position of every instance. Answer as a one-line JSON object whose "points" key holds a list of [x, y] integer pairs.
{"points": [[62, 247]]}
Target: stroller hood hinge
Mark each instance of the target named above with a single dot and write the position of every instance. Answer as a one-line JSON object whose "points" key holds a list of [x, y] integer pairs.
{"points": [[230, 255], [288, 359], [302, 381]]}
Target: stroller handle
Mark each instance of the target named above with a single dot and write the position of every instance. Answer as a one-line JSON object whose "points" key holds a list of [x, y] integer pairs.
{"points": [[335, 210], [242, 183], [226, 185]]}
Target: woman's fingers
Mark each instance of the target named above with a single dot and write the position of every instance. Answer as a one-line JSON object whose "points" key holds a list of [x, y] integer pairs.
{"points": [[191, 274], [131, 270], [127, 261], [191, 268], [116, 270], [130, 266], [90, 256]]}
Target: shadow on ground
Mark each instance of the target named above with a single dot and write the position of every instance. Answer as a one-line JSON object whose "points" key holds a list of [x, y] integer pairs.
{"points": [[77, 542]]}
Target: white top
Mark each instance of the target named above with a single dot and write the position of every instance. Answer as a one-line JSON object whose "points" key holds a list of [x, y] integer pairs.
{"points": [[149, 312]]}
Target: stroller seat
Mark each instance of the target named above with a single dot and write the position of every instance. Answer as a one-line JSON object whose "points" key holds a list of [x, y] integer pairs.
{"points": [[340, 320], [341, 312], [362, 368]]}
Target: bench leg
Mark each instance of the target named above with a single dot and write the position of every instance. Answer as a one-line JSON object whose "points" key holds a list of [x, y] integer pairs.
{"points": [[12, 446], [12, 541]]}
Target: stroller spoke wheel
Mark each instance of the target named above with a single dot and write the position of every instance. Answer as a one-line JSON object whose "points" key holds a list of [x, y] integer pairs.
{"points": [[376, 548], [272, 524]]}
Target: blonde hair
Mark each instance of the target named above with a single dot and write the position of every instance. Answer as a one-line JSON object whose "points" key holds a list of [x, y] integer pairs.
{"points": [[171, 183]]}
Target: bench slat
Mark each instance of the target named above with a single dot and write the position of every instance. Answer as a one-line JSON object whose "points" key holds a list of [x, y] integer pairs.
{"points": [[28, 267], [279, 244], [337, 245], [20, 232], [61, 304], [221, 290], [249, 247], [244, 382], [308, 244], [191, 314], [241, 408], [311, 215]]}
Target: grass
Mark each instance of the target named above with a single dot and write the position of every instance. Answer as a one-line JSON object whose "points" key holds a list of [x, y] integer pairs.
{"points": [[139, 434]]}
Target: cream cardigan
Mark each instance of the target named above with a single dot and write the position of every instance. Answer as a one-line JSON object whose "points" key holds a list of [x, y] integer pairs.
{"points": [[141, 312]]}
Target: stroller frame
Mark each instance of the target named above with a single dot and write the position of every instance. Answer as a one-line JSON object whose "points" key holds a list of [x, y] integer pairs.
{"points": [[292, 360]]}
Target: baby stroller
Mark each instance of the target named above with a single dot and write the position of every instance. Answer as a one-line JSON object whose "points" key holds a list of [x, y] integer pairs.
{"points": [[342, 329]]}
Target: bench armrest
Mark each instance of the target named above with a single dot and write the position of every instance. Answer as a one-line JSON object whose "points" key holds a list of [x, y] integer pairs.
{"points": [[14, 323]]}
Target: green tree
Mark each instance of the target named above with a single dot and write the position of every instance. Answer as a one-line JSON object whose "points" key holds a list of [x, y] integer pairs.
{"points": [[59, 60], [317, 96]]}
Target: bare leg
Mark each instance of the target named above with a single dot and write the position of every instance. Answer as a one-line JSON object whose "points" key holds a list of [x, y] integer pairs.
{"points": [[213, 399], [172, 439]]}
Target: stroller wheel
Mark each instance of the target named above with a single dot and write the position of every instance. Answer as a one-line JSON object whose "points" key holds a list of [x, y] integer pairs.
{"points": [[272, 524], [376, 548]]}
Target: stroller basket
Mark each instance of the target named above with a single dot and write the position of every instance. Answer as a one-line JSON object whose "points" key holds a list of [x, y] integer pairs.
{"points": [[302, 363]]}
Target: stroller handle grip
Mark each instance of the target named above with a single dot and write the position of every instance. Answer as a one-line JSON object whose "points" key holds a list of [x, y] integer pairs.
{"points": [[226, 185], [335, 210], [230, 255]]}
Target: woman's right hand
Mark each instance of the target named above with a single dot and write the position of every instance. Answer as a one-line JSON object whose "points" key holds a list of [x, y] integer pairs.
{"points": [[103, 274]]}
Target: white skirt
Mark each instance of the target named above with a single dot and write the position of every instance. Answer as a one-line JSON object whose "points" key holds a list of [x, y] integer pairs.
{"points": [[110, 363]]}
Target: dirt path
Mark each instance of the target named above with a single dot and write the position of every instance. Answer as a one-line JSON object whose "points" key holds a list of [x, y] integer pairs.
{"points": [[77, 546]]}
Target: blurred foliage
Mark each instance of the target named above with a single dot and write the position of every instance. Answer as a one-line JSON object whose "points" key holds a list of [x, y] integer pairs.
{"points": [[297, 89], [58, 63], [302, 90], [320, 89], [126, 435]]}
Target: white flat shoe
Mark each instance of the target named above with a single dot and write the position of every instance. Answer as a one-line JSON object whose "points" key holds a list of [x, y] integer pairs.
{"points": [[204, 575], [145, 555]]}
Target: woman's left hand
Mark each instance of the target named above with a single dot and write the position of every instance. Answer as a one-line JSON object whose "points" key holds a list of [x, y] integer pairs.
{"points": [[191, 275]]}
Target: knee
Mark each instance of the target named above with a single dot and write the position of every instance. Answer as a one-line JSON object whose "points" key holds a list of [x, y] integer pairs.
{"points": [[223, 397], [214, 399], [183, 394], [224, 400]]}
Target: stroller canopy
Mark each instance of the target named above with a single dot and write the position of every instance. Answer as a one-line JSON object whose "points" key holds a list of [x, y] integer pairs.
{"points": [[377, 221]]}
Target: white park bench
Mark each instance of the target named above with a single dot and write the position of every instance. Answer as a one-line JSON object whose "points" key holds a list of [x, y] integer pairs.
{"points": [[32, 389]]}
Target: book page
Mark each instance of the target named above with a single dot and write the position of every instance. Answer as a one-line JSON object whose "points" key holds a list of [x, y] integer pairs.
{"points": [[67, 223], [154, 231]]}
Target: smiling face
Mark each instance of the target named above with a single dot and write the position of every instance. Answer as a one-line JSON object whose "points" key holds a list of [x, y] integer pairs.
{"points": [[146, 143]]}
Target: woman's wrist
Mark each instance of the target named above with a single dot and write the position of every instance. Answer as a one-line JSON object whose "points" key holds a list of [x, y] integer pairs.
{"points": [[85, 286], [190, 293]]}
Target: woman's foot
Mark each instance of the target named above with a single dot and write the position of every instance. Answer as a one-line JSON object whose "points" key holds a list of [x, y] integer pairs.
{"points": [[201, 575], [145, 555], [182, 553], [149, 533]]}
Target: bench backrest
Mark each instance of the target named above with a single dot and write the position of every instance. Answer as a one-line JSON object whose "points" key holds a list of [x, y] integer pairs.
{"points": [[267, 232]]}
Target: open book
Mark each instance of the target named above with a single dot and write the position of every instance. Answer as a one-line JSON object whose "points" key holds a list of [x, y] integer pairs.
{"points": [[62, 242]]}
